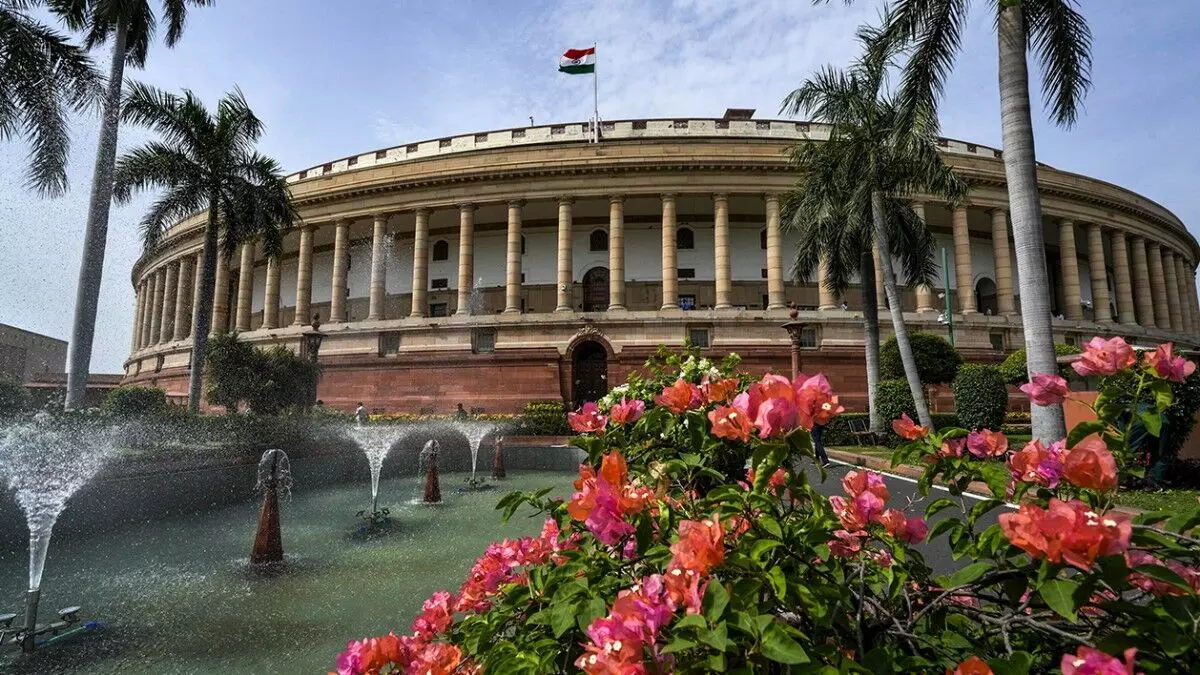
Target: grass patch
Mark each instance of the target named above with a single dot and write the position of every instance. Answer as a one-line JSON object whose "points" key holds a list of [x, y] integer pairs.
{"points": [[1178, 501], [870, 450]]}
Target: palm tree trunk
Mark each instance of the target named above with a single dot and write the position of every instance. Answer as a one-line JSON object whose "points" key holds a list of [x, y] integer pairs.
{"points": [[871, 335], [893, 297], [1025, 205], [95, 236], [208, 276]]}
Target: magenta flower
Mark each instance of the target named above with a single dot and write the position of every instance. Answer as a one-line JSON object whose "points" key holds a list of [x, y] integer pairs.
{"points": [[776, 417], [587, 419], [1046, 389], [627, 412], [1089, 661], [1104, 357], [1166, 365], [985, 443]]}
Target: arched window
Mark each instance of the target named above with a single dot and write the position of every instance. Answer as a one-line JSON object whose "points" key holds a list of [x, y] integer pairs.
{"points": [[598, 241], [441, 250], [762, 239], [685, 239], [522, 244]]}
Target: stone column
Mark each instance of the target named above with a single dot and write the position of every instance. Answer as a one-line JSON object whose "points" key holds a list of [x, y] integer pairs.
{"points": [[420, 280], [220, 311], [466, 257], [924, 292], [670, 263], [337, 297], [826, 298], [1185, 298], [304, 277], [197, 276], [1121, 278], [245, 287], [616, 253], [1069, 263], [183, 300], [566, 273], [139, 306], [1158, 284], [724, 285], [378, 268], [1171, 276], [512, 285], [1002, 252], [881, 301], [170, 290], [1193, 302], [156, 305], [147, 312], [1101, 309], [271, 294], [775, 291], [1142, 288], [964, 276]]}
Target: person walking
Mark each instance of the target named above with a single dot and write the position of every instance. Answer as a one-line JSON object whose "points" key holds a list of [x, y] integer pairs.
{"points": [[818, 447], [361, 413]]}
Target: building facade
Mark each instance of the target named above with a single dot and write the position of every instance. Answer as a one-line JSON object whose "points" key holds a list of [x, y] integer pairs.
{"points": [[499, 267], [25, 355]]}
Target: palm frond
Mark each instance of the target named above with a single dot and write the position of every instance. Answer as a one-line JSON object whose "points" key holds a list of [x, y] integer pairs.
{"points": [[934, 28], [237, 125], [911, 242], [1060, 37], [155, 165], [182, 121], [178, 203]]}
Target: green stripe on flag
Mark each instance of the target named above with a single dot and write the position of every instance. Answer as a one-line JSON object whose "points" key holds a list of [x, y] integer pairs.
{"points": [[578, 70]]}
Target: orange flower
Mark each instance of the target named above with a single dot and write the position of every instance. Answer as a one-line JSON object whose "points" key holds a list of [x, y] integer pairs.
{"points": [[985, 443], [730, 424], [679, 397], [1091, 466], [972, 666], [906, 428], [719, 391], [816, 403], [858, 482], [777, 386], [701, 545], [1067, 532]]}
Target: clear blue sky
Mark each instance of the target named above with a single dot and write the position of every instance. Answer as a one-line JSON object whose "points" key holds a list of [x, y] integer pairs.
{"points": [[332, 79]]}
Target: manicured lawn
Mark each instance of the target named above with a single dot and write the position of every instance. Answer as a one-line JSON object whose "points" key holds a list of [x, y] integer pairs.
{"points": [[1177, 501]]}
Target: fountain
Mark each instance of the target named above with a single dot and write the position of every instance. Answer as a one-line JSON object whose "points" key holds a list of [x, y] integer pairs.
{"points": [[274, 476], [498, 459], [429, 455], [376, 441], [45, 462], [475, 433]]}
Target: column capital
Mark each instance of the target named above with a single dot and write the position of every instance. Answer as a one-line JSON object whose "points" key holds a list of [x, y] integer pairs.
{"points": [[998, 209], [668, 196], [564, 200], [466, 207], [518, 203], [342, 222], [382, 216], [720, 196], [616, 199], [422, 211], [771, 196], [1066, 222]]}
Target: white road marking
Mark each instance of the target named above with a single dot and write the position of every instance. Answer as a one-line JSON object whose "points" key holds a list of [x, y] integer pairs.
{"points": [[972, 495]]}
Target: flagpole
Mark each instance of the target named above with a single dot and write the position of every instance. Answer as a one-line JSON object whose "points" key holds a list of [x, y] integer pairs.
{"points": [[595, 97]]}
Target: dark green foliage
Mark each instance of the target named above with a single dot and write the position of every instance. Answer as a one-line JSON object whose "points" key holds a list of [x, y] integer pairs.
{"points": [[136, 402], [231, 371], [544, 418], [937, 361], [892, 399], [980, 397], [267, 380], [14, 397], [1013, 368]]}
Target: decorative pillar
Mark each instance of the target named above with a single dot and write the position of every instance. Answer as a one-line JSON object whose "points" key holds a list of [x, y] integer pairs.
{"points": [[378, 268], [197, 275], [881, 301], [1143, 292], [304, 277], [1069, 263], [271, 294], [1193, 301], [139, 306], [245, 286], [156, 306], [1158, 284], [724, 286], [170, 290], [1101, 310], [1171, 275], [566, 273], [183, 300], [147, 312], [337, 297], [826, 297], [924, 291], [1005, 304], [670, 263], [220, 310], [466, 257], [420, 280], [616, 253], [775, 292], [512, 285], [1121, 278], [965, 278], [1185, 298]]}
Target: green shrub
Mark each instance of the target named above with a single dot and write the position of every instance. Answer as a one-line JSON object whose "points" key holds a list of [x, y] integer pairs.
{"points": [[267, 380], [937, 361], [544, 418], [944, 420], [136, 402], [14, 397], [892, 399], [1013, 369], [980, 397]]}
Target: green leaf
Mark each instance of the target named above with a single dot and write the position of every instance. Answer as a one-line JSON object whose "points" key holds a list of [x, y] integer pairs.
{"points": [[770, 525], [981, 508], [778, 646], [1163, 574], [1059, 595], [778, 582], [1083, 430], [939, 505], [996, 475], [1018, 663], [760, 547], [594, 609], [678, 644], [562, 616], [691, 621], [717, 637], [1162, 394], [1153, 422], [715, 600], [945, 525], [966, 574]]}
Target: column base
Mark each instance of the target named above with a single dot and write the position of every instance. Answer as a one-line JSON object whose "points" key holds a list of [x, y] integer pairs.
{"points": [[371, 317], [827, 308], [512, 310], [724, 306], [776, 305], [670, 308], [616, 308], [563, 309]]}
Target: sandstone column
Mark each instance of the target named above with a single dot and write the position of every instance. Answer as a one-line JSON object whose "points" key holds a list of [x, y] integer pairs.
{"points": [[1121, 278], [148, 311], [670, 264], [139, 307], [245, 286], [1101, 309], [170, 290], [924, 292], [566, 273], [1005, 304], [512, 282], [881, 301], [965, 277], [337, 298], [616, 253], [1069, 263], [826, 298], [156, 306], [724, 285], [1185, 298], [1142, 289], [466, 257], [304, 277], [220, 311], [271, 294], [378, 268], [183, 300], [775, 289], [420, 280], [1158, 284], [1193, 300], [1171, 276], [197, 274]]}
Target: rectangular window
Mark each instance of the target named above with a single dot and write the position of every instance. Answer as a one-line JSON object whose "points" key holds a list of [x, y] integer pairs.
{"points": [[412, 147], [698, 337], [687, 302], [438, 309], [518, 133], [158, 364], [1070, 340], [764, 273], [439, 284], [389, 343], [352, 161], [686, 272], [765, 301], [481, 138], [444, 143], [997, 340], [808, 338], [483, 341], [380, 154]]}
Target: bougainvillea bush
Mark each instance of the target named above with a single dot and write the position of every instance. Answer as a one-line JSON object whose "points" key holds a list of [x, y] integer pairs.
{"points": [[672, 556]]}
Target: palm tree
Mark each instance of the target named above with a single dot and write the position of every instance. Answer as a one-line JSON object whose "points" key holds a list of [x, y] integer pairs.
{"points": [[44, 76], [130, 24], [856, 189], [1062, 41], [204, 162]]}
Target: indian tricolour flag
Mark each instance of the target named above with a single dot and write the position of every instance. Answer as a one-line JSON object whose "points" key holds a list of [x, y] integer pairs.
{"points": [[578, 61]]}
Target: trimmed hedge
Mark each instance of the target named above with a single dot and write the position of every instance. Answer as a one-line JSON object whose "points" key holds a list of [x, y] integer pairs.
{"points": [[892, 399], [136, 402], [544, 418], [1013, 368], [14, 397], [937, 361], [980, 397]]}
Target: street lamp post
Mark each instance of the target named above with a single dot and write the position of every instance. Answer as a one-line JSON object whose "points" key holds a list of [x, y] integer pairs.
{"points": [[794, 329], [949, 310], [312, 348]]}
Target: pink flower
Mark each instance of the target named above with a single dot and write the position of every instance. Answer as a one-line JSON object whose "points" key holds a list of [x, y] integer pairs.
{"points": [[1069, 532], [1035, 463], [883, 558], [1104, 357], [906, 428], [686, 588], [951, 447], [1046, 389], [908, 530], [984, 443], [627, 412], [816, 403], [680, 397], [1091, 466], [972, 666], [846, 544], [435, 617], [776, 417], [748, 401], [1166, 365], [915, 530], [1089, 661], [730, 424], [1160, 588], [587, 419]]}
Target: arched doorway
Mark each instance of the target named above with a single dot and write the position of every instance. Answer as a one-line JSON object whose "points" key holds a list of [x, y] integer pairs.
{"points": [[985, 297], [590, 372], [595, 290]]}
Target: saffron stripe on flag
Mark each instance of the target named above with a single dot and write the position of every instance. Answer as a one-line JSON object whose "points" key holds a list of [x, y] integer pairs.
{"points": [[578, 53]]}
